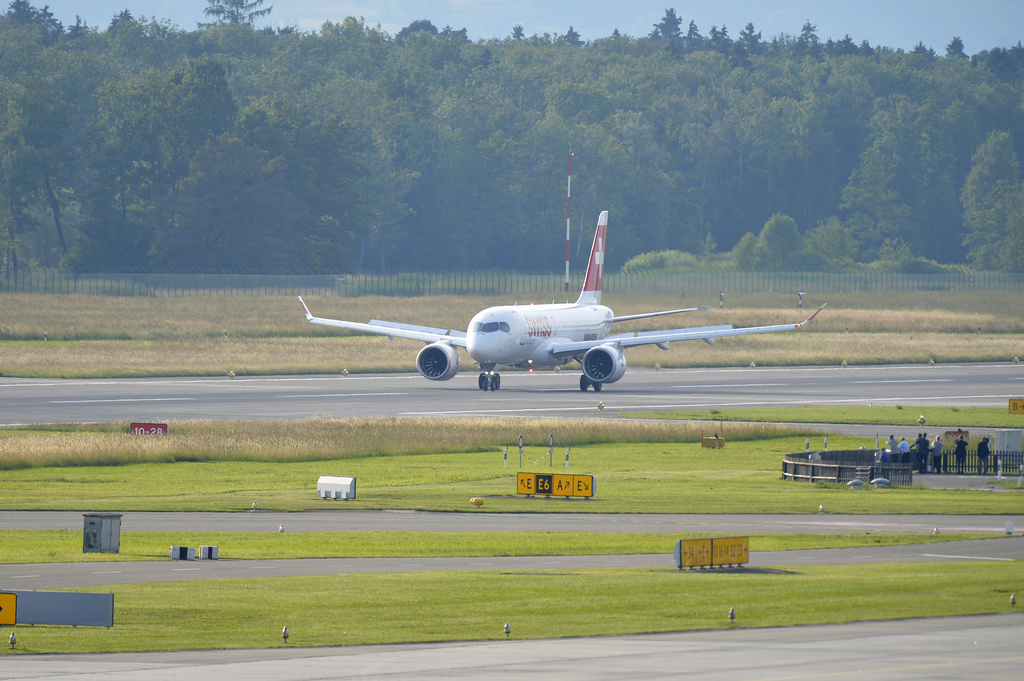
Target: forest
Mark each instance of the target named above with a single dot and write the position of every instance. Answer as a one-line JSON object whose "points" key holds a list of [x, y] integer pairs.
{"points": [[143, 147]]}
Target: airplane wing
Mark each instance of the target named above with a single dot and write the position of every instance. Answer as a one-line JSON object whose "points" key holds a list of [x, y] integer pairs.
{"points": [[393, 329], [663, 338], [626, 318]]}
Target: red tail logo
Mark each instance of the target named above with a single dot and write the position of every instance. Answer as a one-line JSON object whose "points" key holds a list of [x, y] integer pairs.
{"points": [[591, 294]]}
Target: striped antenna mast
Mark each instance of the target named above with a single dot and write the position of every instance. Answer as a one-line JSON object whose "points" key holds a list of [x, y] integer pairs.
{"points": [[568, 204]]}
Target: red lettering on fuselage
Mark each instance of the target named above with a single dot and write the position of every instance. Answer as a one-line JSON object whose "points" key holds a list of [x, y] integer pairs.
{"points": [[539, 326]]}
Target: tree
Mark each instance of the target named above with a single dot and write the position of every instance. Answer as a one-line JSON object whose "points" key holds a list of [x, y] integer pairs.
{"points": [[572, 38], [666, 32], [833, 241], [418, 26], [955, 49], [993, 201], [238, 12], [779, 244], [694, 40], [749, 40], [719, 40], [926, 52], [233, 211], [517, 32], [808, 44]]}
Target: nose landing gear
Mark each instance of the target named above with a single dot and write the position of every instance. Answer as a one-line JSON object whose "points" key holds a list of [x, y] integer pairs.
{"points": [[489, 381]]}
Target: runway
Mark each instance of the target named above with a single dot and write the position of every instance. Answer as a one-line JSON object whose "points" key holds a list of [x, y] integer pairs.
{"points": [[953, 648], [541, 394]]}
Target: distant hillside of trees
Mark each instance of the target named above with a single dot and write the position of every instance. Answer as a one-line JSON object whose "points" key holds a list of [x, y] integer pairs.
{"points": [[140, 146]]}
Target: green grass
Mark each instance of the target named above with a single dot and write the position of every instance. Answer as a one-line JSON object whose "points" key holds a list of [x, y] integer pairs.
{"points": [[908, 416], [446, 606], [745, 477], [65, 546]]}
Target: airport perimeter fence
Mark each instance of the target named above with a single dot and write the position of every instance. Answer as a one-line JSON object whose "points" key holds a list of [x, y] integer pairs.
{"points": [[538, 287], [842, 466]]}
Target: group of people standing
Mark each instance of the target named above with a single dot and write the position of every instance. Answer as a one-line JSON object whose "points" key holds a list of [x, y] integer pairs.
{"points": [[927, 454]]}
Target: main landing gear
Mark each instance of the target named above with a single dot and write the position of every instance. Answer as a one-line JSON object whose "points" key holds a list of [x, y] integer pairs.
{"points": [[490, 381], [586, 383]]}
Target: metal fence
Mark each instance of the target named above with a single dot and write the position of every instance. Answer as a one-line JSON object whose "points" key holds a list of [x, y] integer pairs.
{"points": [[509, 284]]}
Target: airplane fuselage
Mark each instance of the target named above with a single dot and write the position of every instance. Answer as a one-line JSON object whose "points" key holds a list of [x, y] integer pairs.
{"points": [[525, 335]]}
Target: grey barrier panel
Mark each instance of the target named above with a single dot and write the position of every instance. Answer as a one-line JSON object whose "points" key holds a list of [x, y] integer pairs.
{"points": [[65, 608]]}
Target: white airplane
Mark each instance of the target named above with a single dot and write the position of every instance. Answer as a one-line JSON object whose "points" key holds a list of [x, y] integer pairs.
{"points": [[540, 336]]}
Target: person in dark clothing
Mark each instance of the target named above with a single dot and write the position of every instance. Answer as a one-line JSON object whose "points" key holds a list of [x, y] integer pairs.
{"points": [[983, 453], [922, 446], [960, 453]]}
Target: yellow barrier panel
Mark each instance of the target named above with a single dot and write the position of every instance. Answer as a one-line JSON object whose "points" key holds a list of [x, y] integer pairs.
{"points": [[730, 551], [691, 553], [8, 609]]}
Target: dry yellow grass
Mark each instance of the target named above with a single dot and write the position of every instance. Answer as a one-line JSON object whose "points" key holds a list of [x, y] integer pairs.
{"points": [[110, 336], [316, 439]]}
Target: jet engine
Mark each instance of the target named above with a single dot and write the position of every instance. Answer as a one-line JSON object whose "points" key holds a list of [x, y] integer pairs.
{"points": [[603, 364], [438, 361]]}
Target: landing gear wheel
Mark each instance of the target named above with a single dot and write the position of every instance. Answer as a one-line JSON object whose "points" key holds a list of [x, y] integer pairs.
{"points": [[483, 382], [495, 381], [584, 383], [597, 386]]}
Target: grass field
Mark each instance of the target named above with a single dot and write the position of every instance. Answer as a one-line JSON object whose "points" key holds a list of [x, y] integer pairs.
{"points": [[65, 546], [453, 606], [651, 477]]}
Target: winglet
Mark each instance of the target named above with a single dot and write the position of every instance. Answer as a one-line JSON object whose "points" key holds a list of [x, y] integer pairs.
{"points": [[305, 309], [811, 317]]}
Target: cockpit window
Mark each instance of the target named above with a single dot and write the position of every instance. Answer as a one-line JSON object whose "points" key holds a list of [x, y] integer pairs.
{"points": [[488, 327]]}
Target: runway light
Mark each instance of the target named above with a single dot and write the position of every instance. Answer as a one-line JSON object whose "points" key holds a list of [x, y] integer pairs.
{"points": [[254, 505], [1013, 602], [931, 362], [935, 531], [600, 406], [508, 629], [231, 374], [281, 528], [752, 365], [920, 420], [284, 634], [732, 615], [821, 508], [14, 639]]}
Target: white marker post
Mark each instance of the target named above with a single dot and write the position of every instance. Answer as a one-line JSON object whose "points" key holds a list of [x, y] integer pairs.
{"points": [[568, 204], [506, 457], [520, 451], [567, 457], [551, 450]]}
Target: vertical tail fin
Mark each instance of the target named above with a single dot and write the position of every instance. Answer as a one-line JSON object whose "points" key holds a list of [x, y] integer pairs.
{"points": [[591, 293]]}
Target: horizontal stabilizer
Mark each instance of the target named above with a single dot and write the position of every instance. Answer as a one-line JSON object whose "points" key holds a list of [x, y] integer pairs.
{"points": [[645, 315]]}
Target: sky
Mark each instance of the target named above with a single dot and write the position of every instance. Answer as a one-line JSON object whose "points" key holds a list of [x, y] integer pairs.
{"points": [[981, 24]]}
